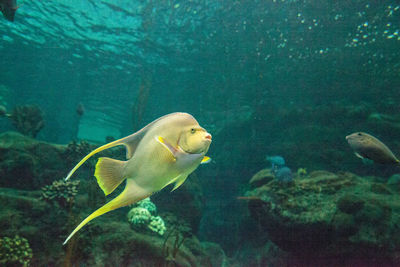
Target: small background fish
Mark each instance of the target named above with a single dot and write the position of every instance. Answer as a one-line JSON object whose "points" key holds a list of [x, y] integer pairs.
{"points": [[368, 147]]}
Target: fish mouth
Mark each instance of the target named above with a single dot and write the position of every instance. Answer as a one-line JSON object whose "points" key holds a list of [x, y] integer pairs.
{"points": [[208, 136]]}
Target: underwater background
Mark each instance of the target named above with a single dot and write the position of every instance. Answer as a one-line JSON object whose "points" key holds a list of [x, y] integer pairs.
{"points": [[266, 78]]}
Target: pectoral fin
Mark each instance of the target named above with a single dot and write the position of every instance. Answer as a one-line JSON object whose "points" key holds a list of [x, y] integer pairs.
{"points": [[131, 194], [178, 182], [205, 160], [167, 146]]}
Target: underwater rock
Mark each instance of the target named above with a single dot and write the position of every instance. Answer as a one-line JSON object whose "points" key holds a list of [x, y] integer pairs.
{"points": [[350, 204], [385, 121], [262, 177], [327, 215], [26, 163], [394, 179], [380, 189], [23, 214], [108, 242], [218, 257], [394, 182], [115, 244]]}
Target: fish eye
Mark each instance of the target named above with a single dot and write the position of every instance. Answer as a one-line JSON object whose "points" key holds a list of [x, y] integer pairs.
{"points": [[193, 130], [359, 134]]}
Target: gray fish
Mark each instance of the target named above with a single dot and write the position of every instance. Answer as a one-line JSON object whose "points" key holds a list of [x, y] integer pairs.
{"points": [[8, 8], [366, 146]]}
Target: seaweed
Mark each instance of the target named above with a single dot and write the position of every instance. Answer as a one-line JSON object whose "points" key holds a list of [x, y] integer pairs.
{"points": [[178, 232]]}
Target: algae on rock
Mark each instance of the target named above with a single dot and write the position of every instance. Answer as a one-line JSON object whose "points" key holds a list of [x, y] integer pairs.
{"points": [[337, 215]]}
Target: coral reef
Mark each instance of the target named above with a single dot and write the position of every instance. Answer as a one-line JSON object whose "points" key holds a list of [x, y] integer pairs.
{"points": [[148, 205], [27, 163], [139, 217], [157, 225], [27, 119], [331, 216], [283, 174], [15, 250], [143, 216], [62, 192], [262, 177], [75, 151], [107, 241]]}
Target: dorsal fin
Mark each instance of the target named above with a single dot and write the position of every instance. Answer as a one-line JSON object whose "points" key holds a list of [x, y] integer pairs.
{"points": [[130, 142]]}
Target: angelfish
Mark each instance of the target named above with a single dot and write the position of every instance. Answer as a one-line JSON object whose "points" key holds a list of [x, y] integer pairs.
{"points": [[366, 146], [165, 151]]}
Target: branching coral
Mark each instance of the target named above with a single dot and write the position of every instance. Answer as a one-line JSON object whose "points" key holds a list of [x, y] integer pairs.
{"points": [[27, 119], [60, 191], [76, 151], [15, 250]]}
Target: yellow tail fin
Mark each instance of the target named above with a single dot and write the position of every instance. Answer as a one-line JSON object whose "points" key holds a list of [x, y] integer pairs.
{"points": [[131, 194]]}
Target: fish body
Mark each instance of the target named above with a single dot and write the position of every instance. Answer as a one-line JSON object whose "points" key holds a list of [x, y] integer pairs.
{"points": [[8, 8], [164, 152], [366, 146]]}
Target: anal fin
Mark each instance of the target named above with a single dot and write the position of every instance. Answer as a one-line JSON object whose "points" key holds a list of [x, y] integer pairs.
{"points": [[109, 174]]}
